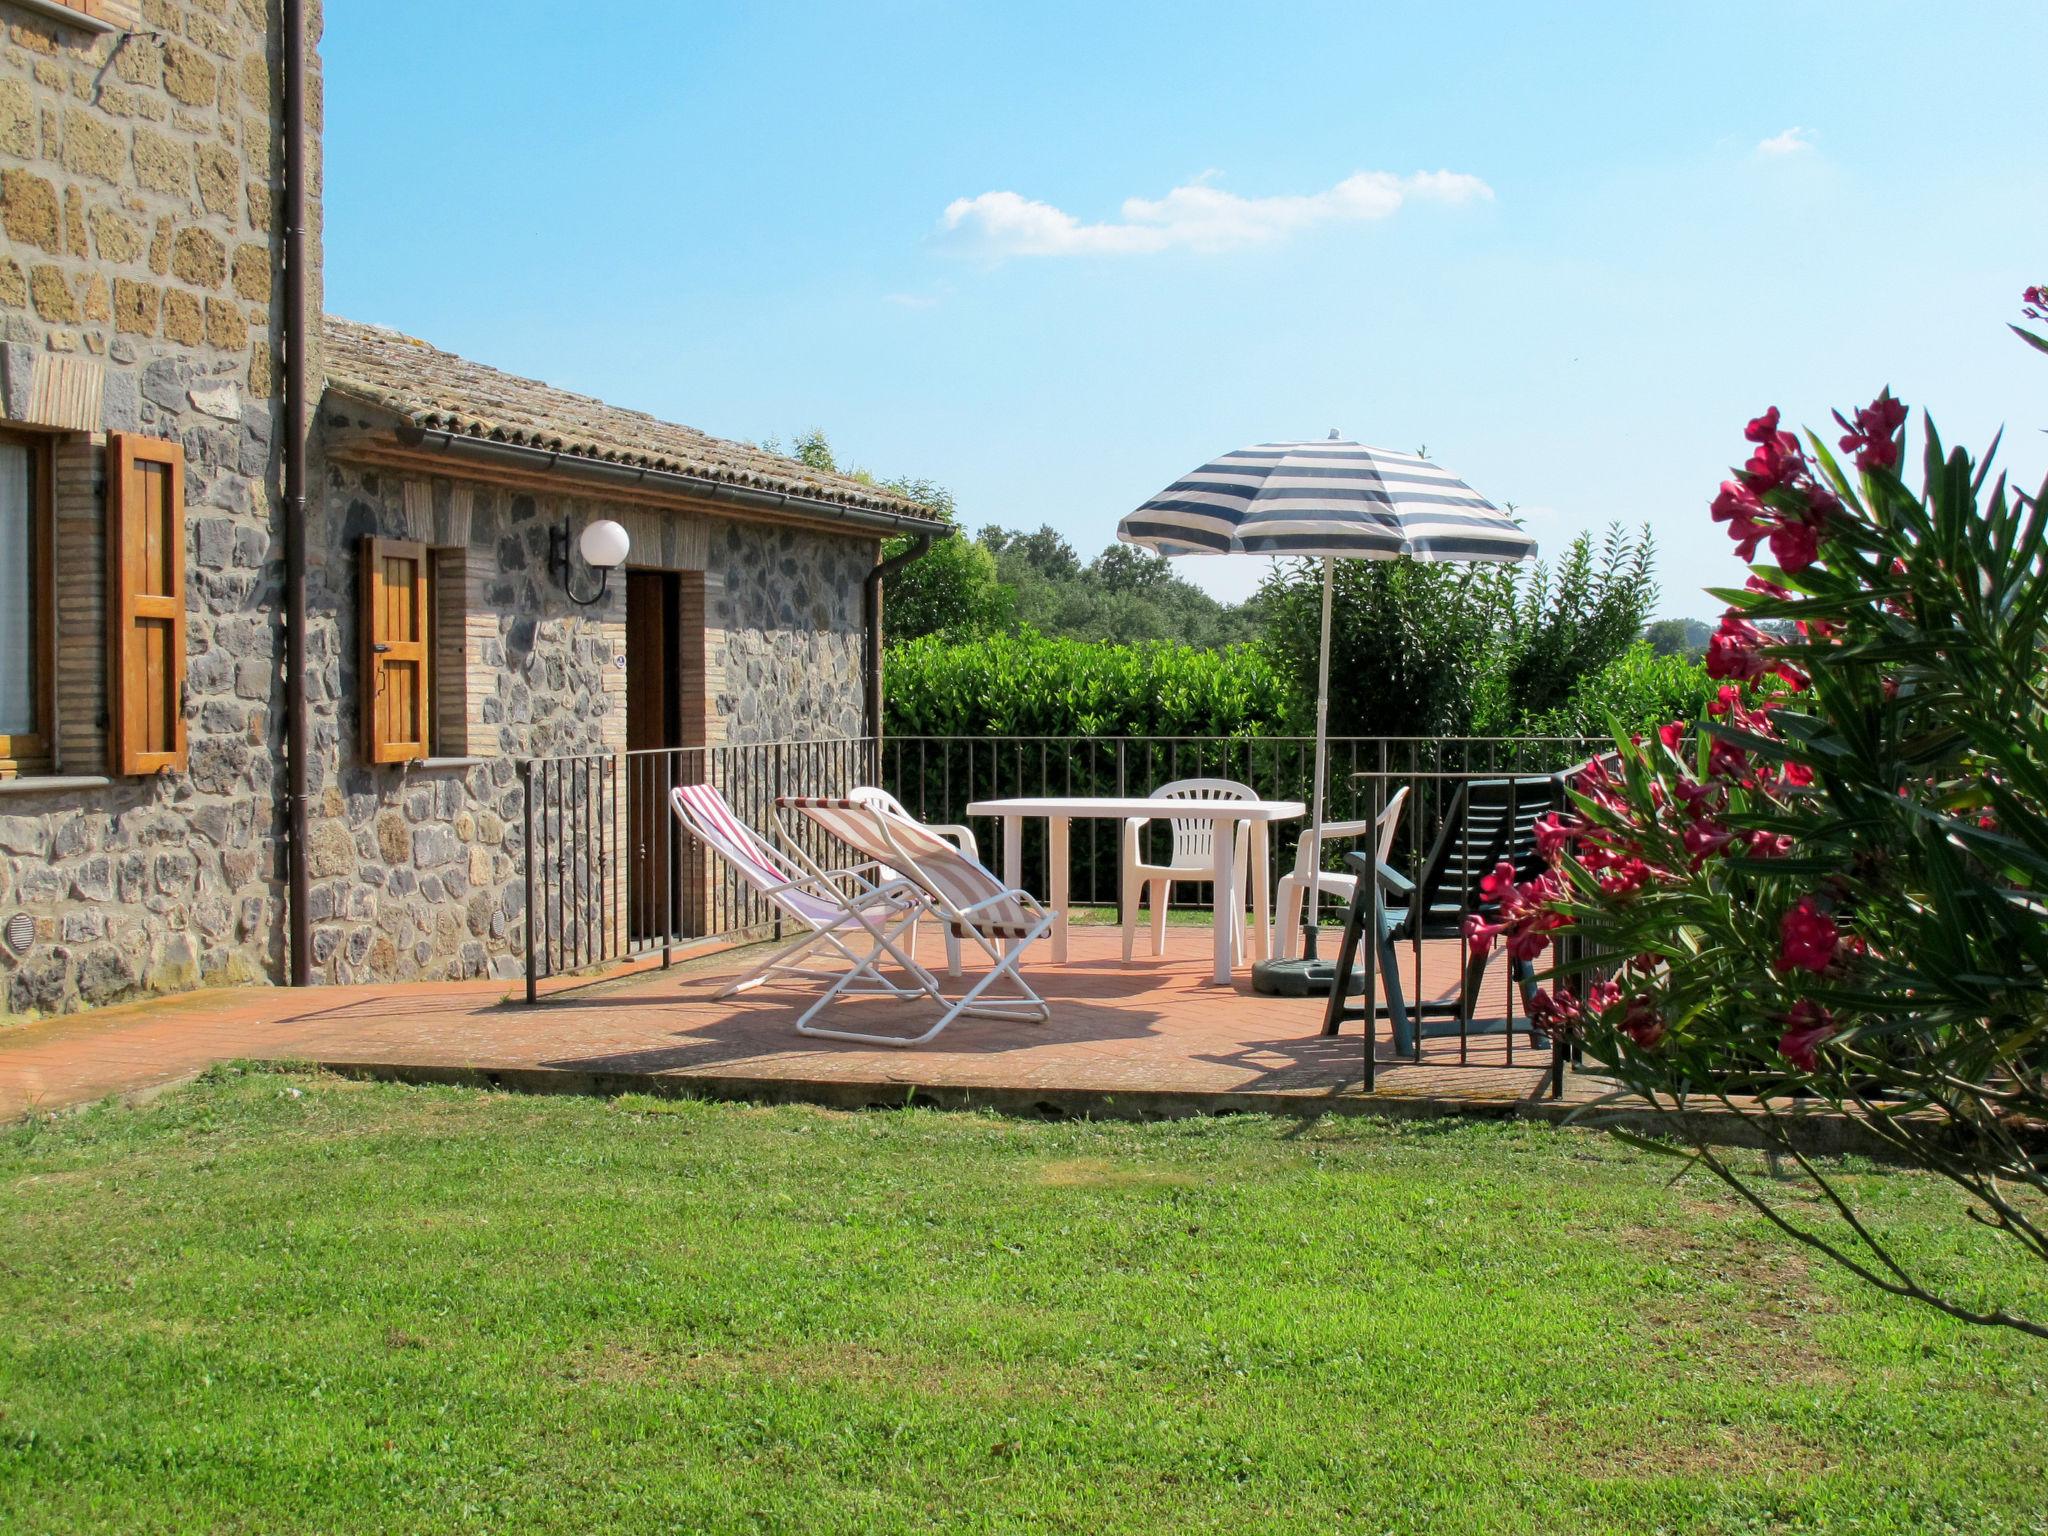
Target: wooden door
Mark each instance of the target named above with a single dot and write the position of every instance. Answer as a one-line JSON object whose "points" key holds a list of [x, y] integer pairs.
{"points": [[654, 719]]}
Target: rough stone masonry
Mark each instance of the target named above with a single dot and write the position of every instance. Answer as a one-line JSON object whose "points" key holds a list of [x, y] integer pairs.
{"points": [[139, 176]]}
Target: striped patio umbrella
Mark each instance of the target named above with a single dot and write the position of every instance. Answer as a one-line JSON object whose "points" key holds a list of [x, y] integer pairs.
{"points": [[1326, 500]]}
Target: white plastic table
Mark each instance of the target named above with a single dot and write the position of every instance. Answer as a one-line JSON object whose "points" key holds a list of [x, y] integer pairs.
{"points": [[1060, 811]]}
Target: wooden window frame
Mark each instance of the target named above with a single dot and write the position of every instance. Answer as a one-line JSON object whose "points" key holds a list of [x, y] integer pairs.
{"points": [[128, 754], [377, 747], [26, 753]]}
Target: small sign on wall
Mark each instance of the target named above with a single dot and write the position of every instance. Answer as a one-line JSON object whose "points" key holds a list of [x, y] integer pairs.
{"points": [[619, 661]]}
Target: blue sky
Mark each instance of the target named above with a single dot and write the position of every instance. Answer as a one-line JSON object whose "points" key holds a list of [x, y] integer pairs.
{"points": [[1054, 255]]}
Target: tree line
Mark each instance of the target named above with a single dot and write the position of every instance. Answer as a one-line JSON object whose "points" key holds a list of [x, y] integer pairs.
{"points": [[1014, 631]]}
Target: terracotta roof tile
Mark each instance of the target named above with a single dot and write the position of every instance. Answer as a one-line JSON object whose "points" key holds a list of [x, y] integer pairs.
{"points": [[445, 393]]}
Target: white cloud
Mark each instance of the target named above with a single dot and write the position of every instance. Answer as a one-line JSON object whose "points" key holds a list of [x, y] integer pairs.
{"points": [[1792, 141], [1196, 216]]}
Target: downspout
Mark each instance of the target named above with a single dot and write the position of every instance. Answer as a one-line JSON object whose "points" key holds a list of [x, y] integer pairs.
{"points": [[297, 385], [871, 608]]}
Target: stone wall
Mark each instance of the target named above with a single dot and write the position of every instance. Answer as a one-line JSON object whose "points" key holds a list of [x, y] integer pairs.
{"points": [[788, 603], [417, 867], [139, 177]]}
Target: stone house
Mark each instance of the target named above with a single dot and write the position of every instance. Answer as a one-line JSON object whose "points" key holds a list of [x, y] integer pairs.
{"points": [[739, 619], [160, 346]]}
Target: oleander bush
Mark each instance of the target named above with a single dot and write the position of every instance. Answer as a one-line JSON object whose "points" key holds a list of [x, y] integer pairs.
{"points": [[1837, 894]]}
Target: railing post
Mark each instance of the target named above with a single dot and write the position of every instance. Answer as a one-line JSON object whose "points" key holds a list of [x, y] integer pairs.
{"points": [[527, 857], [1372, 949], [665, 819], [771, 811]]}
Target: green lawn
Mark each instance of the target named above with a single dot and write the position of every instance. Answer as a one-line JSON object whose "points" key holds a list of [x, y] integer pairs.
{"points": [[287, 1303]]}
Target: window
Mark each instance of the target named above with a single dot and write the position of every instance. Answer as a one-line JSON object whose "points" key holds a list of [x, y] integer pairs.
{"points": [[414, 683], [146, 603], [395, 686], [27, 648]]}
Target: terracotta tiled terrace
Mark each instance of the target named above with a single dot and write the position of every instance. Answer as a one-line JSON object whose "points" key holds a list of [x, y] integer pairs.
{"points": [[1155, 1036]]}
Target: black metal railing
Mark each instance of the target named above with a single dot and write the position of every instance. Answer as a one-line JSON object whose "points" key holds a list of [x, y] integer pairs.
{"points": [[1466, 826], [611, 875], [938, 777]]}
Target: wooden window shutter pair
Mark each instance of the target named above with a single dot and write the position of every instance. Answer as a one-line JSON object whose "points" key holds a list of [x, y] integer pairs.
{"points": [[397, 627], [146, 603]]}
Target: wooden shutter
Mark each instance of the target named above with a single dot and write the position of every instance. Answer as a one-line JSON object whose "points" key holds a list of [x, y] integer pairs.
{"points": [[397, 627], [146, 603]]}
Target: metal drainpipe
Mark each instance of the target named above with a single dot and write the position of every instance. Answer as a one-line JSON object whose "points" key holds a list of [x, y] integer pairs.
{"points": [[297, 384], [871, 605]]}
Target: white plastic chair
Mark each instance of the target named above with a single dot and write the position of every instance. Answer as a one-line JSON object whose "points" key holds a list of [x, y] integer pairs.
{"points": [[1193, 859], [1297, 882], [857, 914], [973, 903]]}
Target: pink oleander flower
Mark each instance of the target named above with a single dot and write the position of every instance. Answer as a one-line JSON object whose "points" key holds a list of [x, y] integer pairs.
{"points": [[1555, 834], [1526, 914], [1642, 1022], [1671, 733], [1807, 938], [1703, 839], [1874, 435], [1738, 507], [1795, 546], [1593, 774], [1732, 652], [1735, 653], [1726, 761], [1625, 875], [1776, 463], [1769, 845], [1700, 800], [1795, 775], [1807, 1026], [1555, 1009]]}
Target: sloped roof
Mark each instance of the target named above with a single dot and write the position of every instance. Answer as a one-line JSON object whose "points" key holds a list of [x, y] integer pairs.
{"points": [[441, 392]]}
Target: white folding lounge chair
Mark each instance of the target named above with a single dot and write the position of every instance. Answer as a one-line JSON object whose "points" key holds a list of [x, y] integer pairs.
{"points": [[858, 914], [967, 899], [961, 837]]}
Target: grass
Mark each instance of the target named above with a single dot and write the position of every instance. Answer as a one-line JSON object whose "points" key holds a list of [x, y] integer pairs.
{"points": [[279, 1302]]}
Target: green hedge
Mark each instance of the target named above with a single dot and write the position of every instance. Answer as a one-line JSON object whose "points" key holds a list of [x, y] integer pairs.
{"points": [[1029, 684], [1637, 691]]}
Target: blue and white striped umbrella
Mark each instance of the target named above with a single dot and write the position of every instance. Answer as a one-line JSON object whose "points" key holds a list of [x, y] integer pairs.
{"points": [[1334, 499], [1329, 500]]}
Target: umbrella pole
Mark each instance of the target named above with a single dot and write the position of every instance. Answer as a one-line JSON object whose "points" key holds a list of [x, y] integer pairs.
{"points": [[1311, 909]]}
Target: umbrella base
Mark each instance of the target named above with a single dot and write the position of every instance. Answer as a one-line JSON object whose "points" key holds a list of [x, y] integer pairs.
{"points": [[1301, 978]]}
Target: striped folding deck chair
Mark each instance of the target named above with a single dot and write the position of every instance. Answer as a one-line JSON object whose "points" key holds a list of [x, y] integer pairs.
{"points": [[858, 914], [970, 902]]}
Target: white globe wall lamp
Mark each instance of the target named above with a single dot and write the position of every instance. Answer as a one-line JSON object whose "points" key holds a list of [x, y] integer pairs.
{"points": [[604, 547]]}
